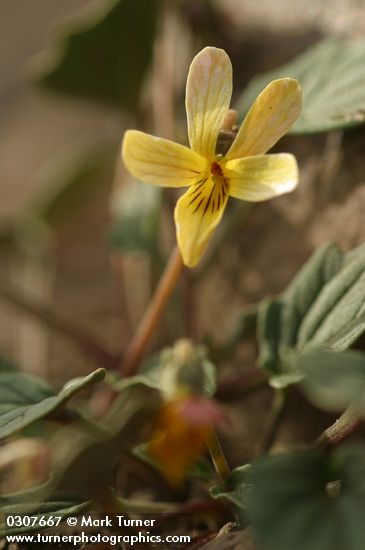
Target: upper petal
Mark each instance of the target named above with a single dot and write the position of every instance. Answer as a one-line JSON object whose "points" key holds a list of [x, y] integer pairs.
{"points": [[208, 94], [197, 213], [161, 161], [270, 117], [261, 177]]}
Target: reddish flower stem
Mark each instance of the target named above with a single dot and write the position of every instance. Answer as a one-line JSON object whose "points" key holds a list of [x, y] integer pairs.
{"points": [[153, 314]]}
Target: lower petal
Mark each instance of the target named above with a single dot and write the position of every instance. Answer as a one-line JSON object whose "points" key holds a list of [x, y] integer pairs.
{"points": [[197, 214], [261, 177]]}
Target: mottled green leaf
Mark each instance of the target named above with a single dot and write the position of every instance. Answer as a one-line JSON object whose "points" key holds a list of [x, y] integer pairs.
{"points": [[282, 381], [332, 76], [237, 487], [305, 287], [349, 334], [30, 503], [269, 333], [18, 389], [333, 380], [324, 306], [86, 461], [23, 416], [103, 55], [144, 380], [340, 302], [306, 500]]}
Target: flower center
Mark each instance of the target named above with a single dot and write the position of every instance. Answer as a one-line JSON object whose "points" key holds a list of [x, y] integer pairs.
{"points": [[215, 169], [210, 194]]}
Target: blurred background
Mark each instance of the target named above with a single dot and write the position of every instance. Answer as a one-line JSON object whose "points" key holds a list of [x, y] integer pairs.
{"points": [[78, 252]]}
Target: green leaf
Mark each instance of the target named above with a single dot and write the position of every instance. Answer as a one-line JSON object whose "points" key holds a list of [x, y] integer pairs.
{"points": [[349, 334], [37, 501], [324, 306], [306, 500], [149, 376], [23, 416], [145, 380], [340, 302], [104, 55], [269, 333], [237, 487], [332, 76], [282, 381], [333, 380], [87, 462], [58, 505], [305, 287], [137, 212], [18, 389]]}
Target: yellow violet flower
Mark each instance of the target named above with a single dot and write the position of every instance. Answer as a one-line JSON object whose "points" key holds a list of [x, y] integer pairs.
{"points": [[182, 429], [244, 172]]}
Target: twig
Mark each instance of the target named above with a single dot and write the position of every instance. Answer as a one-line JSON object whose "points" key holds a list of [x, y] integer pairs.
{"points": [[200, 540], [343, 428], [66, 327], [153, 314]]}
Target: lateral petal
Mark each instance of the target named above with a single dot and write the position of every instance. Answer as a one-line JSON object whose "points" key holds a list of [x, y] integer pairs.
{"points": [[272, 114], [208, 95], [197, 213], [161, 161], [261, 177]]}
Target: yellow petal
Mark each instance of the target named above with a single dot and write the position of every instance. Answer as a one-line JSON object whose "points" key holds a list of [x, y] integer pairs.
{"points": [[160, 161], [270, 117], [261, 177], [208, 94], [197, 213]]}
